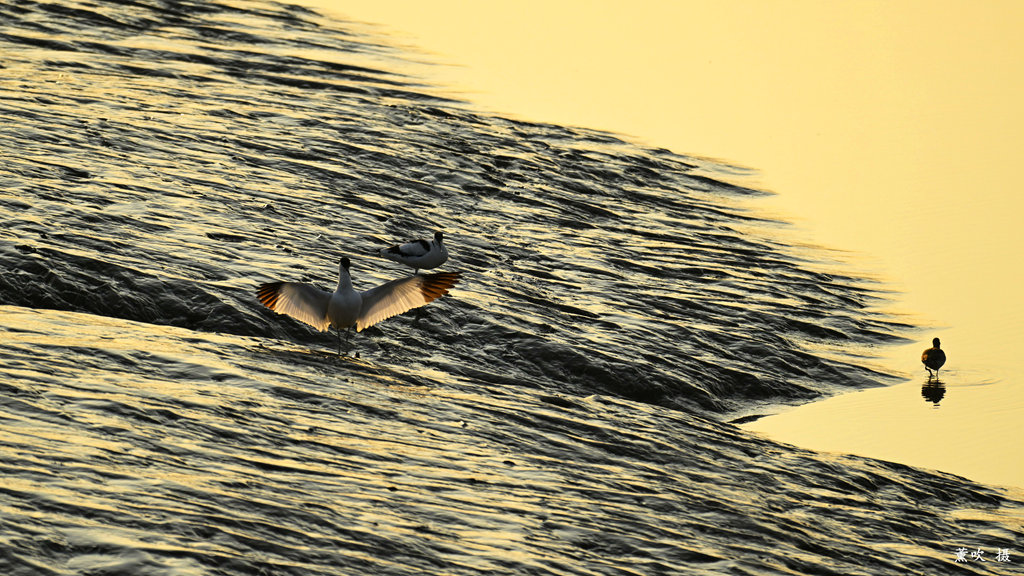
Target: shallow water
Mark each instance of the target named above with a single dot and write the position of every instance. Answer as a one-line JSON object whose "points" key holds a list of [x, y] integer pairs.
{"points": [[964, 422], [854, 112], [134, 448], [557, 413]]}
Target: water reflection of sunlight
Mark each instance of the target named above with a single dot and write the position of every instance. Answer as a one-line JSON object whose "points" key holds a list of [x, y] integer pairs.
{"points": [[897, 144], [889, 130], [959, 424]]}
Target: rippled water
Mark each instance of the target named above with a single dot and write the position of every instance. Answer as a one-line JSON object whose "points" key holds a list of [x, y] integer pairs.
{"points": [[560, 412]]}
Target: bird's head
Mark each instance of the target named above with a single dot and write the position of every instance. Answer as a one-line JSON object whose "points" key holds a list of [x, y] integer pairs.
{"points": [[438, 236], [345, 264], [935, 342]]}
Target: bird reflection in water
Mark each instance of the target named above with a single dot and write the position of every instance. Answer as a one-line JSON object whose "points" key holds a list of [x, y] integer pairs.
{"points": [[933, 359], [933, 391]]}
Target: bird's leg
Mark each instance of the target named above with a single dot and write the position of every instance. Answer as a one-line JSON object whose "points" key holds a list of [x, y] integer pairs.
{"points": [[348, 347]]}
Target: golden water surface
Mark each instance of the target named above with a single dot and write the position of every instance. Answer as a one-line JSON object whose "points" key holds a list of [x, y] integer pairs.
{"points": [[890, 130]]}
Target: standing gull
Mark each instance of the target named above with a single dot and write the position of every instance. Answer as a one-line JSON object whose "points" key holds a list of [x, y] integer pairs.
{"points": [[418, 254], [933, 359], [345, 307]]}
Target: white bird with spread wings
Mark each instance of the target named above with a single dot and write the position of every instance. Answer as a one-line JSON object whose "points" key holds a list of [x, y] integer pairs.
{"points": [[345, 307]]}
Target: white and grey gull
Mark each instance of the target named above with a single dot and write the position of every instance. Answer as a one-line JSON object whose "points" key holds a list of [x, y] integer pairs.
{"points": [[345, 307], [419, 254]]}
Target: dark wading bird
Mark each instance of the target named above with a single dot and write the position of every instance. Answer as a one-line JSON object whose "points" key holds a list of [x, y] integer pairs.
{"points": [[933, 359], [418, 254], [345, 307]]}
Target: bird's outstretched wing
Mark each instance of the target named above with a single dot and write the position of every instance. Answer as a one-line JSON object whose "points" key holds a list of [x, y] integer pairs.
{"points": [[304, 302], [400, 295]]}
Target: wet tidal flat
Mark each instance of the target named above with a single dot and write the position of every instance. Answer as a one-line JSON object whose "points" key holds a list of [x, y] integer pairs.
{"points": [[559, 412]]}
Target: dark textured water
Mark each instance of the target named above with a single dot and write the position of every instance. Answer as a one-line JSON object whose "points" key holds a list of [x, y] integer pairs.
{"points": [[561, 412]]}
